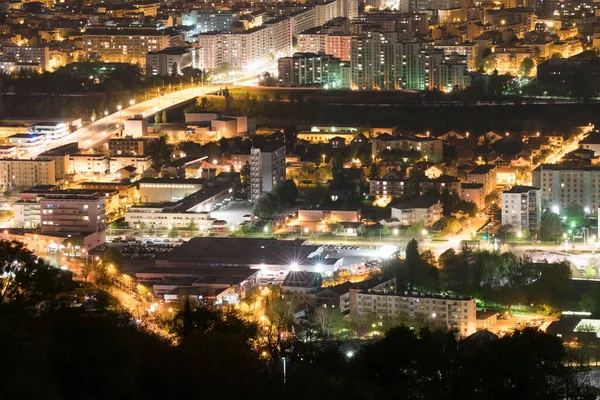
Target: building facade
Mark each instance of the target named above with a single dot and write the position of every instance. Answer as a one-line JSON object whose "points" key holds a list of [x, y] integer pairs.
{"points": [[456, 312], [26, 173], [309, 69], [73, 214], [129, 44], [267, 169], [562, 186], [171, 61], [522, 207]]}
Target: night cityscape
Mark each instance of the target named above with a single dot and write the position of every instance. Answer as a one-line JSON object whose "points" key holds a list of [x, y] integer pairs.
{"points": [[320, 199]]}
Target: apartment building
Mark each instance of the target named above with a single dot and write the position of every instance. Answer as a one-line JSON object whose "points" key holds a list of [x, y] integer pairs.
{"points": [[94, 164], [423, 210], [129, 44], [26, 173], [208, 20], [140, 163], [127, 146], [171, 61], [267, 169], [486, 175], [473, 192], [522, 207], [337, 45], [431, 149], [467, 49], [38, 55], [60, 155], [562, 186], [309, 69], [246, 49], [456, 312], [73, 214]]}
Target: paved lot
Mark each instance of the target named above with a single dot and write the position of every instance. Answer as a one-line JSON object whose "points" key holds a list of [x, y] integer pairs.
{"points": [[233, 212]]}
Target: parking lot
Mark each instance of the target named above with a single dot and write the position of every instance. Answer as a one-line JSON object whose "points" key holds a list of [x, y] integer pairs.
{"points": [[357, 259], [147, 248]]}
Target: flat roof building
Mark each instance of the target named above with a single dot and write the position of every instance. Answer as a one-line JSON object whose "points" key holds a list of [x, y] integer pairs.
{"points": [[263, 254], [73, 213]]}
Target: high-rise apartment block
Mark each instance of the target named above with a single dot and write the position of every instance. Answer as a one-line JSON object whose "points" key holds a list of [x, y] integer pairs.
{"points": [[522, 207], [129, 44], [337, 45], [561, 186], [73, 214], [246, 49], [309, 69], [267, 169], [390, 60], [203, 21]]}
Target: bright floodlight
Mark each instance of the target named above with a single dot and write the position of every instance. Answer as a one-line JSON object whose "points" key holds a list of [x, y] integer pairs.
{"points": [[294, 266], [387, 250], [586, 210], [349, 354], [555, 209], [519, 234]]}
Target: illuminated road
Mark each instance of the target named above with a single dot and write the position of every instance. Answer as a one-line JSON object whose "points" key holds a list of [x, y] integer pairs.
{"points": [[104, 128]]}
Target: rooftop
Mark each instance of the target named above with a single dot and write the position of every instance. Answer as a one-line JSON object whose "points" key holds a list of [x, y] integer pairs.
{"points": [[421, 202], [172, 181], [238, 253], [520, 189], [482, 169], [471, 185]]}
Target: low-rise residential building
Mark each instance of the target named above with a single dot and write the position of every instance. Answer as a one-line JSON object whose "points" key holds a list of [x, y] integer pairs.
{"points": [[141, 163], [473, 192], [392, 184], [425, 210], [300, 287], [431, 149], [88, 164], [486, 175], [60, 155], [73, 213], [456, 312], [522, 208], [323, 134], [505, 176], [26, 173], [127, 146]]}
